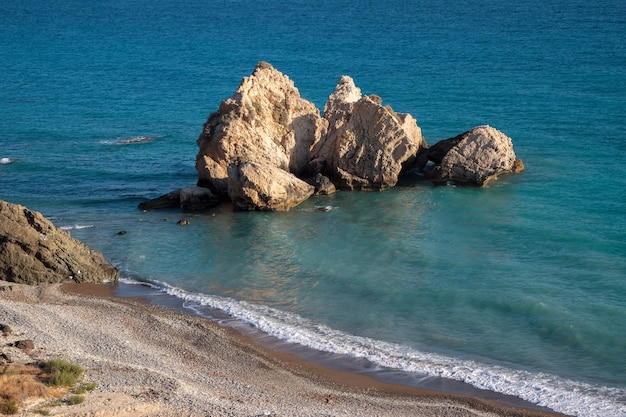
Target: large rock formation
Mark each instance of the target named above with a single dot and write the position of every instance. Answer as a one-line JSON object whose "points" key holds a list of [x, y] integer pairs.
{"points": [[367, 144], [253, 186], [264, 121], [34, 251], [475, 157], [357, 144]]}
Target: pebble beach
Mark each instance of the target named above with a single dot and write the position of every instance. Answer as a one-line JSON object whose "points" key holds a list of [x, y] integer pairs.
{"points": [[151, 361]]}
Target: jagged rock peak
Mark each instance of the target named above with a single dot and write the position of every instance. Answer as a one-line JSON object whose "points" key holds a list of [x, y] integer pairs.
{"points": [[346, 93], [264, 121], [366, 144]]}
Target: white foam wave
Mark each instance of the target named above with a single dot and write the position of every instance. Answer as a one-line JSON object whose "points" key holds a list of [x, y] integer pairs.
{"points": [[108, 141], [5, 161], [127, 140], [562, 395], [77, 226]]}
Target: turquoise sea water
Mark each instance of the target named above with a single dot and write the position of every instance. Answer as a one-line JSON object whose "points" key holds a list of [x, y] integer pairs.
{"points": [[518, 288]]}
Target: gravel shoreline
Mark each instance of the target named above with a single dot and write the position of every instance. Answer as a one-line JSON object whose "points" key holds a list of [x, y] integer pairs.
{"points": [[150, 361]]}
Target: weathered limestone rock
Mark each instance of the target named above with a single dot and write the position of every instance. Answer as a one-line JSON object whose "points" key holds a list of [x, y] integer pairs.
{"points": [[475, 157], [253, 186], [34, 251], [192, 198], [264, 121], [367, 144]]}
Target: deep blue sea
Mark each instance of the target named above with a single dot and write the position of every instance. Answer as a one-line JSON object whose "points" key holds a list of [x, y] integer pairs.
{"points": [[518, 288]]}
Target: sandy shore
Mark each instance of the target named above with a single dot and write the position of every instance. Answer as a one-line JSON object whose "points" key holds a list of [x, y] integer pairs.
{"points": [[150, 361]]}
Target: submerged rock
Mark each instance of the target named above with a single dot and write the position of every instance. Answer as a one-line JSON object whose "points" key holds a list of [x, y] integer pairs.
{"points": [[265, 121], [475, 157], [34, 251], [136, 139], [367, 144]]}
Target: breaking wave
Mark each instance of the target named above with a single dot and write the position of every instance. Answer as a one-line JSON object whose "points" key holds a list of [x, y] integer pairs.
{"points": [[546, 390]]}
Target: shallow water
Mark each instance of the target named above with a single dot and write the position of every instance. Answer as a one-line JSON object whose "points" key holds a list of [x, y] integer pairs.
{"points": [[518, 287]]}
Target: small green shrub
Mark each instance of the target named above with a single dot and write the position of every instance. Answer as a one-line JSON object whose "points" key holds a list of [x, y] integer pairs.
{"points": [[54, 403], [9, 407], [280, 116], [258, 107], [62, 373], [75, 399], [90, 386], [84, 387], [43, 411]]}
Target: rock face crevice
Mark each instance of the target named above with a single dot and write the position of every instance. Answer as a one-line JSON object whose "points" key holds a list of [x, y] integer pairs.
{"points": [[34, 251], [266, 134]]}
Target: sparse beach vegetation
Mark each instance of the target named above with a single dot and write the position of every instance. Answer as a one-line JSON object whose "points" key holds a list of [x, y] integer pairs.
{"points": [[62, 373], [50, 380], [75, 399]]}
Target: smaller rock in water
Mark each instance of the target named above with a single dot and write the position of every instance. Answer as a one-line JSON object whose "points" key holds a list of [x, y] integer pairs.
{"points": [[25, 344], [121, 232], [475, 157], [183, 222]]}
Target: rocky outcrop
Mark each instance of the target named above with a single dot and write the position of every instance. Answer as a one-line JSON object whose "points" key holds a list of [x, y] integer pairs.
{"points": [[357, 144], [265, 121], [253, 186], [367, 144], [475, 157], [191, 198], [34, 251]]}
